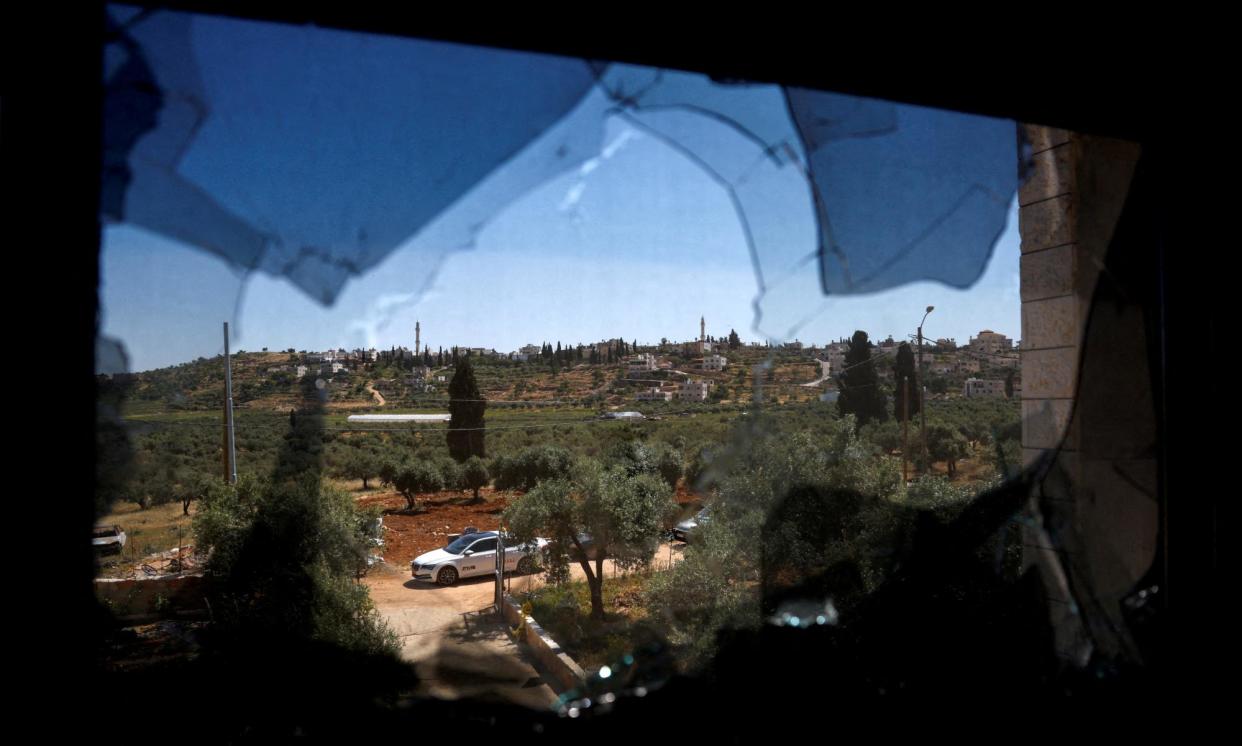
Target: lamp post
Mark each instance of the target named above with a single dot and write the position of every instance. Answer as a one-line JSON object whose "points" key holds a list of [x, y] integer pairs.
{"points": [[918, 380]]}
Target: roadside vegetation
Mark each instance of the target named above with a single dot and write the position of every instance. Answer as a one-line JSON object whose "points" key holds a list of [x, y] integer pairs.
{"points": [[804, 499]]}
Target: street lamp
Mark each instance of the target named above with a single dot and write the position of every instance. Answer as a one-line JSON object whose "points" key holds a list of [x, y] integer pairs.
{"points": [[918, 380]]}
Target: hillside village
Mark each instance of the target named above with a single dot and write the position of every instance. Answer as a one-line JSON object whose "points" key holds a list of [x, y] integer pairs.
{"points": [[667, 428], [607, 374]]}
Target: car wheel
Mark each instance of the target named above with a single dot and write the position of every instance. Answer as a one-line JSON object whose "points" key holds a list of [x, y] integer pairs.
{"points": [[525, 566], [447, 576]]}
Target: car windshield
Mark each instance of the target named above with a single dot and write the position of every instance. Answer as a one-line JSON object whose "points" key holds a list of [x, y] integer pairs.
{"points": [[460, 545]]}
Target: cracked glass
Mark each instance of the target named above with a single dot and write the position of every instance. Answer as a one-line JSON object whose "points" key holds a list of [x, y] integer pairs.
{"points": [[298, 180]]}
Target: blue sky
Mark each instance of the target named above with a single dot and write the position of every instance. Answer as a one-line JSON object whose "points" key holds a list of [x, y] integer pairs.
{"points": [[638, 242]]}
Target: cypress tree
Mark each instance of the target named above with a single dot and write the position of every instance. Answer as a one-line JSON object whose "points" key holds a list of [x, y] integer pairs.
{"points": [[860, 390], [466, 407], [903, 376]]}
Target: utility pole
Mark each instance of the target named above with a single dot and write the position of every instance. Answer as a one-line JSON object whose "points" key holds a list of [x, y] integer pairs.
{"points": [[230, 452], [905, 427], [500, 570], [918, 381]]}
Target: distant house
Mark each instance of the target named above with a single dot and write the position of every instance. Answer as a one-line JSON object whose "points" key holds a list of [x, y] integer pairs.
{"points": [[990, 342], [834, 353], [978, 387], [714, 362], [654, 394], [301, 370], [694, 390], [967, 365], [639, 364]]}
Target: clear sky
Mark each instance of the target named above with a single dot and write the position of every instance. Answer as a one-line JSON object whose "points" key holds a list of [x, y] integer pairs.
{"points": [[638, 242]]}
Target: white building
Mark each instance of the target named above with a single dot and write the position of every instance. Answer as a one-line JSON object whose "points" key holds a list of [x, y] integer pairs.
{"points": [[644, 363], [834, 353], [975, 387], [302, 370], [694, 390], [714, 362], [654, 394]]}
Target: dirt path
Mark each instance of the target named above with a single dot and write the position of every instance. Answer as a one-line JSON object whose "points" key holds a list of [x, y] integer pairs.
{"points": [[379, 398], [457, 647], [823, 374]]}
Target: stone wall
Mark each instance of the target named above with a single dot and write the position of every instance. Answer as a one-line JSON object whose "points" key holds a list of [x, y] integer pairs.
{"points": [[565, 672], [1087, 386], [148, 599]]}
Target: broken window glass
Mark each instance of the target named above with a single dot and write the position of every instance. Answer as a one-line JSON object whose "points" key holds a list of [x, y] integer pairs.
{"points": [[251, 167]]}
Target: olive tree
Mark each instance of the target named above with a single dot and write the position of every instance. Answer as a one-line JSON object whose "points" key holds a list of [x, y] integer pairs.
{"points": [[474, 475], [622, 514], [415, 478]]}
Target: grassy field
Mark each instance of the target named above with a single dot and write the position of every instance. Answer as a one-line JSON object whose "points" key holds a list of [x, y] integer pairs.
{"points": [[155, 529]]}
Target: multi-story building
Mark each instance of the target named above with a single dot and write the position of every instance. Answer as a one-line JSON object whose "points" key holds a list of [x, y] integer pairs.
{"points": [[639, 364], [967, 364], [654, 394], [694, 390], [975, 387], [714, 362], [834, 353], [991, 343]]}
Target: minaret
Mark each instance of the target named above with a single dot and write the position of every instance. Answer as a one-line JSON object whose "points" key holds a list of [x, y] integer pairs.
{"points": [[702, 329], [417, 332]]}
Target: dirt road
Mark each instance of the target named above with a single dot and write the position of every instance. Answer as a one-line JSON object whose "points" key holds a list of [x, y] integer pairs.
{"points": [[456, 645]]}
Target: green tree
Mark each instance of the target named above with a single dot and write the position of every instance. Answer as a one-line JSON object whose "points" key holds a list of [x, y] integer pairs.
{"points": [[474, 475], [466, 408], [362, 465], [861, 395], [283, 563], [947, 444], [905, 382], [415, 478], [623, 515]]}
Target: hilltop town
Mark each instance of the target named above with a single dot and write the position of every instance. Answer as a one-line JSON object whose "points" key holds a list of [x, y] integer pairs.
{"points": [[606, 374]]}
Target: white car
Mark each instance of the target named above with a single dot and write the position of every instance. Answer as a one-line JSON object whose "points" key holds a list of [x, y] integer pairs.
{"points": [[684, 531], [473, 554]]}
